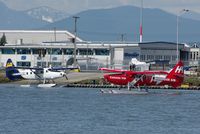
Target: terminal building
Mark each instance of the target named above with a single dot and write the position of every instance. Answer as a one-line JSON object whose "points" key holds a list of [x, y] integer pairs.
{"points": [[194, 55], [56, 48]]}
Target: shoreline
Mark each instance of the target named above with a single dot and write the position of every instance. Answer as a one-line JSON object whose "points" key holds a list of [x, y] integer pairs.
{"points": [[95, 79], [73, 77]]}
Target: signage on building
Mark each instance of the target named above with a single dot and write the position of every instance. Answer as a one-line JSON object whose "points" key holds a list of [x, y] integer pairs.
{"points": [[23, 57], [131, 53]]}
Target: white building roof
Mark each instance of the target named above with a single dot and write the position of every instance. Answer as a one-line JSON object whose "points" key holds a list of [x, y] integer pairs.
{"points": [[36, 36]]}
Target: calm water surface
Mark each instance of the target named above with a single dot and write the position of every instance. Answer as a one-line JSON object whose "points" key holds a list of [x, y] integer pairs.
{"points": [[87, 111]]}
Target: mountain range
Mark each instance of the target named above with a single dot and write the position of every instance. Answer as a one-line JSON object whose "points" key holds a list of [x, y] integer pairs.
{"points": [[11, 19], [114, 24]]}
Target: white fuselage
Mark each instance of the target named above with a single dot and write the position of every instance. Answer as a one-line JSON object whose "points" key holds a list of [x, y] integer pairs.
{"points": [[45, 73]]}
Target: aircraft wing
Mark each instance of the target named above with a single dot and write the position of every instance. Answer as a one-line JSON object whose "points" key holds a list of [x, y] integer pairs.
{"points": [[52, 68], [63, 68], [133, 72], [149, 72], [31, 68], [113, 70]]}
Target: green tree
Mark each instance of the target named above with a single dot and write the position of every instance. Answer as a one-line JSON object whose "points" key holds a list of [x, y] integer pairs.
{"points": [[3, 40]]}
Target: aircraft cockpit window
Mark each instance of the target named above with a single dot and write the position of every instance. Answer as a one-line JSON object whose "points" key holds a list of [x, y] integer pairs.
{"points": [[40, 71]]}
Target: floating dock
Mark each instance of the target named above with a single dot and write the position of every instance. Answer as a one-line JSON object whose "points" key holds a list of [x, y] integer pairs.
{"points": [[116, 86], [132, 92]]}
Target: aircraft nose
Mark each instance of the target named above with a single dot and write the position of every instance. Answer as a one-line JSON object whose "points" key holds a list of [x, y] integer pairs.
{"points": [[62, 74]]}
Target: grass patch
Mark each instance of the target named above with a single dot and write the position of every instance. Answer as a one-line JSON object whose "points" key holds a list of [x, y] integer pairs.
{"points": [[3, 78], [192, 80]]}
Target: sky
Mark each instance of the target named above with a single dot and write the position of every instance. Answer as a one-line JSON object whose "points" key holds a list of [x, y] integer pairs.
{"points": [[75, 6]]}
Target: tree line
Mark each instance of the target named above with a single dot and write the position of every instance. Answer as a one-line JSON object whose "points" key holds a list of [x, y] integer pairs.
{"points": [[3, 40]]}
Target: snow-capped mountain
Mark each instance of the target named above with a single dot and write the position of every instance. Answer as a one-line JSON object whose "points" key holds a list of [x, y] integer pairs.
{"points": [[46, 14], [12, 19]]}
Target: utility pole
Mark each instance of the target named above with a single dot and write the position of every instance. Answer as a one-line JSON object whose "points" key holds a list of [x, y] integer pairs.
{"points": [[75, 34], [55, 34], [122, 37]]}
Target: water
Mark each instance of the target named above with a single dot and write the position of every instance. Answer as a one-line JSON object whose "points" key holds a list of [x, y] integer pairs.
{"points": [[87, 111]]}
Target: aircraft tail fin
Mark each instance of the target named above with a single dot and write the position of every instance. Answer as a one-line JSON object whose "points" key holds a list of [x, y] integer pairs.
{"points": [[176, 75], [11, 72]]}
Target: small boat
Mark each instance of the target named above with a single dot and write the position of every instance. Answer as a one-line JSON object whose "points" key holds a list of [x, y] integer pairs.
{"points": [[133, 92], [107, 91], [46, 85], [25, 85]]}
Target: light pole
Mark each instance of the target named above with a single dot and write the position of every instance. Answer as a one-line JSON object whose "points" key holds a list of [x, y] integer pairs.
{"points": [[177, 30], [141, 21], [75, 34]]}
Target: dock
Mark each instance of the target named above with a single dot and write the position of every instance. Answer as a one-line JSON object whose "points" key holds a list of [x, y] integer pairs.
{"points": [[116, 86]]}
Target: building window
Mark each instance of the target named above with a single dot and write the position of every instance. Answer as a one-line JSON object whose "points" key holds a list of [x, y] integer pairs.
{"points": [[35, 51], [150, 57], [194, 56], [167, 57], [55, 51], [23, 51], [54, 64], [174, 58], [85, 52], [41, 64], [191, 55], [158, 57], [102, 52], [142, 57], [8, 51], [69, 51], [39, 51], [23, 64]]}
